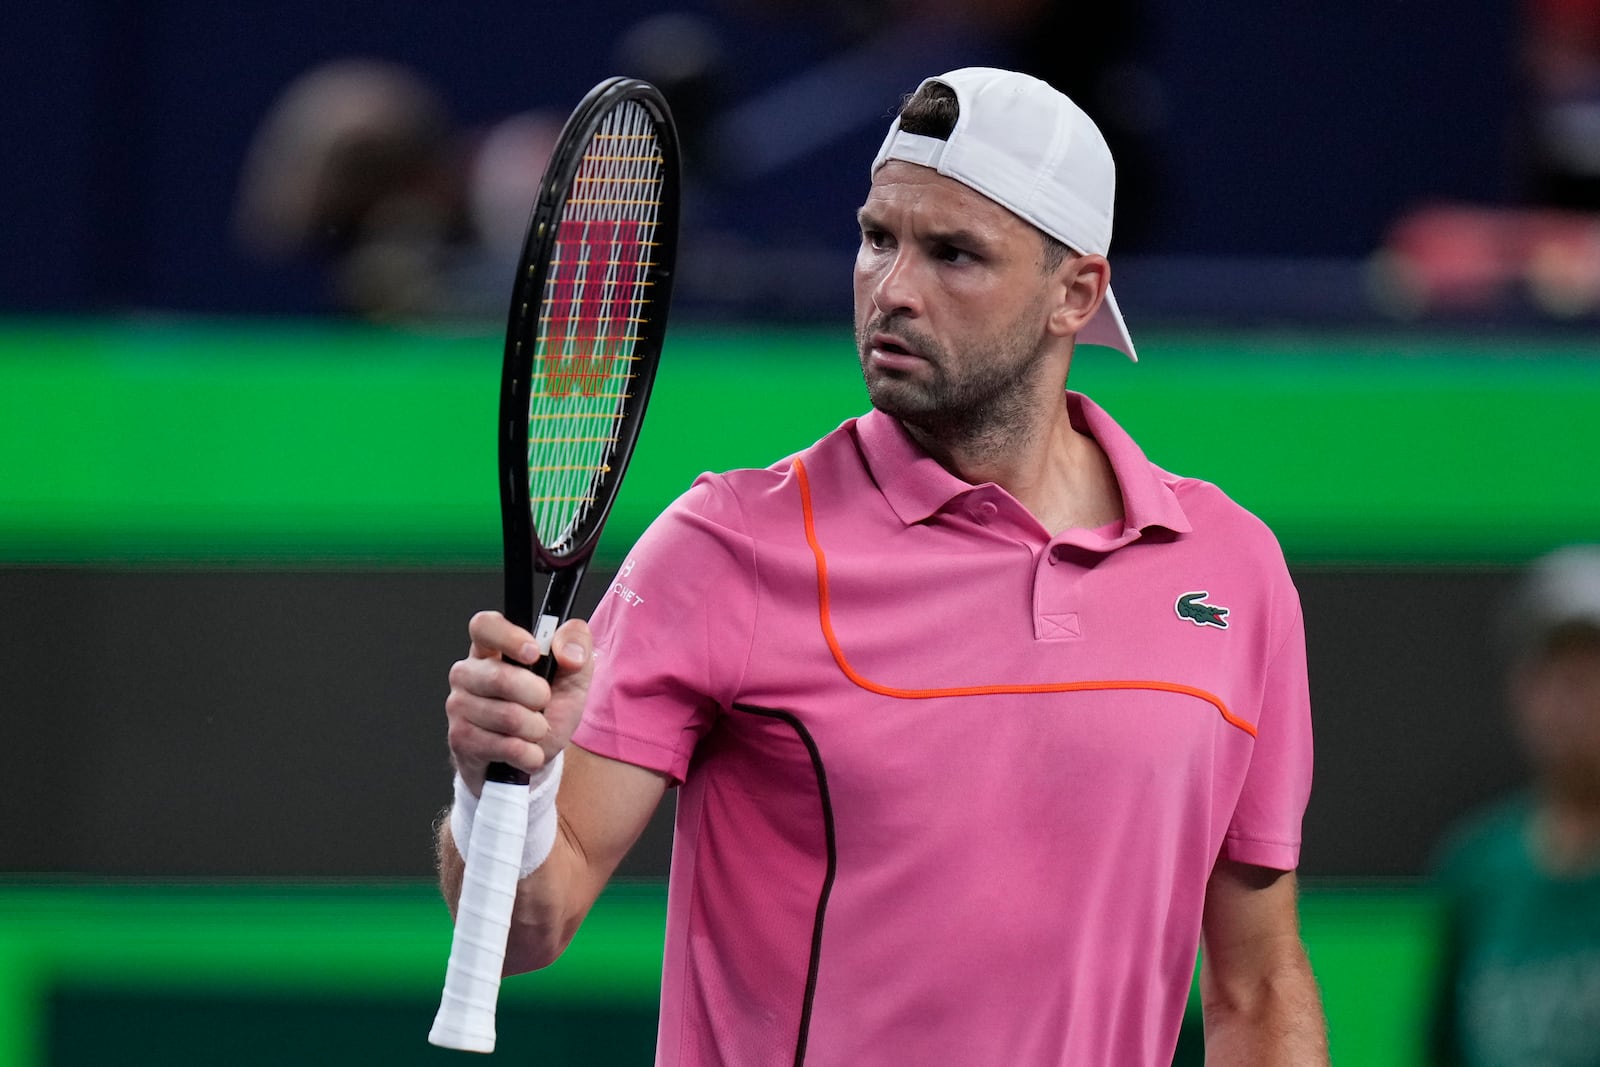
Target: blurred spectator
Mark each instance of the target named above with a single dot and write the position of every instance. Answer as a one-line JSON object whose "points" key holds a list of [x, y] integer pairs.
{"points": [[1520, 983], [1561, 60], [1475, 259], [1543, 254], [357, 165]]}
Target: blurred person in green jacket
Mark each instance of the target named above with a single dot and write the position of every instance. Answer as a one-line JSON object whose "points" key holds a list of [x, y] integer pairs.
{"points": [[1520, 983]]}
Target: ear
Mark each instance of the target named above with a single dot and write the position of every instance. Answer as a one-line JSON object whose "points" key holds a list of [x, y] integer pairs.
{"points": [[1081, 284]]}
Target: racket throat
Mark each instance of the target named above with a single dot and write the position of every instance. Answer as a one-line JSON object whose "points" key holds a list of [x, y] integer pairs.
{"points": [[544, 633]]}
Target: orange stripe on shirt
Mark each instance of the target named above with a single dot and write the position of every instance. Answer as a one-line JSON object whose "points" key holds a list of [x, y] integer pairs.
{"points": [[826, 615]]}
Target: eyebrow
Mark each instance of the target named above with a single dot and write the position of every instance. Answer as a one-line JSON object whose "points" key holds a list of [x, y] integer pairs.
{"points": [[961, 238]]}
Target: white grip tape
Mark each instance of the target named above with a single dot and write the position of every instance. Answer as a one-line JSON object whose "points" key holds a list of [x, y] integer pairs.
{"points": [[483, 920]]}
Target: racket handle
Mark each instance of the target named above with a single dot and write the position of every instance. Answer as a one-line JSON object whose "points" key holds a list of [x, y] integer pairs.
{"points": [[483, 920]]}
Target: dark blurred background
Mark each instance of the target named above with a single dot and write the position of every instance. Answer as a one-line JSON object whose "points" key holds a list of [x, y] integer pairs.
{"points": [[1363, 238], [1243, 136]]}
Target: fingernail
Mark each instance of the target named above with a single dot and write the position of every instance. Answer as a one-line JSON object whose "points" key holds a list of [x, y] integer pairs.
{"points": [[529, 653], [574, 653]]}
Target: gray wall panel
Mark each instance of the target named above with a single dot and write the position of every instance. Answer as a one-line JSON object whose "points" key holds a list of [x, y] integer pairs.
{"points": [[221, 723]]}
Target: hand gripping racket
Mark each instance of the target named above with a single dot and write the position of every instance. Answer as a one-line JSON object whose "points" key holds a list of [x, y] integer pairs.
{"points": [[588, 316]]}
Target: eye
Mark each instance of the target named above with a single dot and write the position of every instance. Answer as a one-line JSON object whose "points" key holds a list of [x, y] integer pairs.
{"points": [[876, 239], [949, 253]]}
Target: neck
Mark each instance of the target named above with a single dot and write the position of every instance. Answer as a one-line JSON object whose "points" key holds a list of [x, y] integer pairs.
{"points": [[1060, 475]]}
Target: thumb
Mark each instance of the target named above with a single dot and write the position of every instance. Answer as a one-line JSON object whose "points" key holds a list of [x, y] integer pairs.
{"points": [[573, 649]]}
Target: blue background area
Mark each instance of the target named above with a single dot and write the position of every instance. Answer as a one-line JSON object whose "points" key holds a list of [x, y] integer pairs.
{"points": [[1298, 130]]}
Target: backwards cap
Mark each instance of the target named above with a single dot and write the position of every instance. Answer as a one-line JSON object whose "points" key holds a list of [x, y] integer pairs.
{"points": [[1558, 590], [1028, 148]]}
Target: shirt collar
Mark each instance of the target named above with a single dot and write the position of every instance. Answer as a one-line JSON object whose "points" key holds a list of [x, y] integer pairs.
{"points": [[917, 487]]}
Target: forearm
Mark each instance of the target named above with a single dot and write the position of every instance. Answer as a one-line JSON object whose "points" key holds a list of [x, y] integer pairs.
{"points": [[602, 808], [1276, 1020], [549, 905]]}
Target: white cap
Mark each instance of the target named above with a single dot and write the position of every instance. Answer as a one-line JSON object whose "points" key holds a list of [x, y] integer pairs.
{"points": [[1559, 590], [1028, 148]]}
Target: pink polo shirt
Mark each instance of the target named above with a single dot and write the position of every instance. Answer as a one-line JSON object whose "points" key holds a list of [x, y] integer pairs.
{"points": [[951, 786]]}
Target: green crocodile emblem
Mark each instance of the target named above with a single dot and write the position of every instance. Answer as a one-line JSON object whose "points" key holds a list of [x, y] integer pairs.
{"points": [[1191, 606]]}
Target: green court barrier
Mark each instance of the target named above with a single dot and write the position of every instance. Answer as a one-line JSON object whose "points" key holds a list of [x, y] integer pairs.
{"points": [[338, 973], [223, 442]]}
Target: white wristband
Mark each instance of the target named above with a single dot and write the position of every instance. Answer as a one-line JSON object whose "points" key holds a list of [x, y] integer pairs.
{"points": [[541, 838]]}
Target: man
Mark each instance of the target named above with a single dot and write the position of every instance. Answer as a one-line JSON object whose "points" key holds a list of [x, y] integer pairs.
{"points": [[979, 718], [1521, 978]]}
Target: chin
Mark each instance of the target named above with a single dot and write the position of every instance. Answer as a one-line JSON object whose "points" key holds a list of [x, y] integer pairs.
{"points": [[890, 396]]}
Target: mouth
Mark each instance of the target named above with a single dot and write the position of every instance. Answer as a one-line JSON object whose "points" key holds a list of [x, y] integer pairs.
{"points": [[890, 352]]}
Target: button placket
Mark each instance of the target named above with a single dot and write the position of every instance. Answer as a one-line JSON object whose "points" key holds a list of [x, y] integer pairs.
{"points": [[1054, 603]]}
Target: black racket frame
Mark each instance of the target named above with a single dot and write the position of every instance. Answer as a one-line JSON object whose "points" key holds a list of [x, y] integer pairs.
{"points": [[525, 556]]}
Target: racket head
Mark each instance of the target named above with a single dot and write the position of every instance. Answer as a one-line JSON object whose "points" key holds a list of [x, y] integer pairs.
{"points": [[585, 328]]}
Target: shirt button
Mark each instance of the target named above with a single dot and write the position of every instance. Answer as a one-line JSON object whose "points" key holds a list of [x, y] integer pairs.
{"points": [[988, 510]]}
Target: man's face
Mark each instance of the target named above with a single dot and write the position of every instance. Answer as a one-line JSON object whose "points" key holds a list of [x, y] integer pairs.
{"points": [[1557, 703], [952, 303]]}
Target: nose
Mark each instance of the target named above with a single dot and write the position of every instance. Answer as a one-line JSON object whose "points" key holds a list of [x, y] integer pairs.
{"points": [[895, 288]]}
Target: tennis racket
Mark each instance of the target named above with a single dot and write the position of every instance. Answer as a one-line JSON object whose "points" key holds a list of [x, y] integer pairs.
{"points": [[584, 335]]}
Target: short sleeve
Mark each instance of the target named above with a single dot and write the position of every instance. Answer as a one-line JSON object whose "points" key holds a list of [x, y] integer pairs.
{"points": [[1265, 829], [673, 633]]}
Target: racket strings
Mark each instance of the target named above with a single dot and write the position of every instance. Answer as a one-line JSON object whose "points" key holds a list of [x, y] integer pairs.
{"points": [[596, 296]]}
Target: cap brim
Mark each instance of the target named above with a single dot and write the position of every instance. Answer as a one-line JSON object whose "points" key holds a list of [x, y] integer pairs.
{"points": [[1107, 328]]}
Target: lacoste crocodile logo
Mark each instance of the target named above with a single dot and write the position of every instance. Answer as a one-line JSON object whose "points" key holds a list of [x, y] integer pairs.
{"points": [[1191, 606]]}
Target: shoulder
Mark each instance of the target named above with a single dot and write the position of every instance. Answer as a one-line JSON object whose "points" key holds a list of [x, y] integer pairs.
{"points": [[1233, 537], [1232, 555], [1192, 507], [747, 499], [1213, 512]]}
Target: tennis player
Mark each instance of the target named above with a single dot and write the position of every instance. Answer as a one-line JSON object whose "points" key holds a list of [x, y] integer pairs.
{"points": [[981, 722]]}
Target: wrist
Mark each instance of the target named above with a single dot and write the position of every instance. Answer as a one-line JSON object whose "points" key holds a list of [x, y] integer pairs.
{"points": [[540, 839], [462, 811], [542, 821]]}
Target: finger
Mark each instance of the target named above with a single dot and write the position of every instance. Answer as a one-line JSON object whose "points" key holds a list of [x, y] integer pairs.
{"points": [[494, 635], [569, 690], [485, 729], [573, 646], [498, 680], [472, 717], [473, 749]]}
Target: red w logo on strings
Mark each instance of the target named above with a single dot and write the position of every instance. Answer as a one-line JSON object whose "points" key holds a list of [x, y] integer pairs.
{"points": [[592, 289]]}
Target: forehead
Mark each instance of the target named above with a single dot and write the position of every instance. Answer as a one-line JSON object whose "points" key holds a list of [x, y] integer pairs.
{"points": [[929, 197]]}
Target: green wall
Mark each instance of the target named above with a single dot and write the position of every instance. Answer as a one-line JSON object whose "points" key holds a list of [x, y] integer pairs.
{"points": [[135, 441], [336, 973]]}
